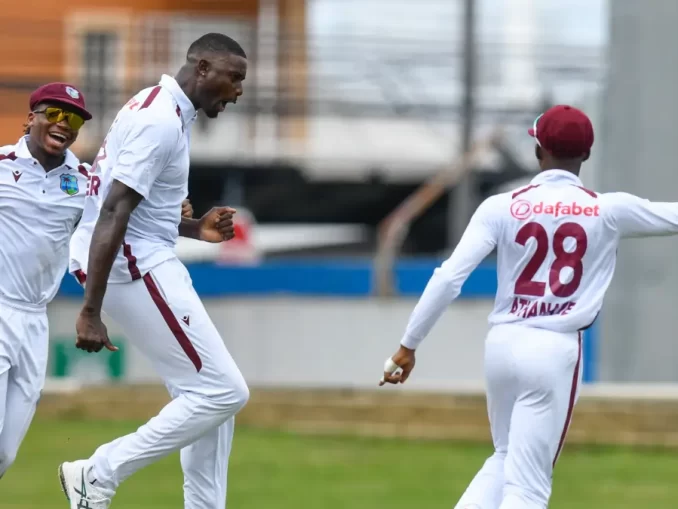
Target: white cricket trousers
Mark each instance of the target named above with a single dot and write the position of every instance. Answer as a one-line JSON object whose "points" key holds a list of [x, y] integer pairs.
{"points": [[24, 345], [533, 378], [162, 316]]}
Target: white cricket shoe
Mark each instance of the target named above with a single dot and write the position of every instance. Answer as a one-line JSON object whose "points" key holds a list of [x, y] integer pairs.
{"points": [[81, 493]]}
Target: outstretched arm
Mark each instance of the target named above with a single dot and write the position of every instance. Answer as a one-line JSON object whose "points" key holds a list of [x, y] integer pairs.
{"points": [[479, 239], [637, 217]]}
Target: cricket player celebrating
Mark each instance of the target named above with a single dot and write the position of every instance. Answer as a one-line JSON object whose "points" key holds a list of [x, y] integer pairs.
{"points": [[556, 250], [42, 194], [123, 253]]}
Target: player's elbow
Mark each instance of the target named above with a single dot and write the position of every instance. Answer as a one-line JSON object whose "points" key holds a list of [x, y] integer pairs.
{"points": [[114, 212], [445, 276], [447, 281]]}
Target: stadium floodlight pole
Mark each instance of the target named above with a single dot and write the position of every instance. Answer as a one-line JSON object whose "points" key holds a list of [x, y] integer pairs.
{"points": [[462, 197]]}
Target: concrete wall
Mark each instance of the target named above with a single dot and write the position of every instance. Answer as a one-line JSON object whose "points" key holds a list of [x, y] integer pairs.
{"points": [[302, 342], [313, 324]]}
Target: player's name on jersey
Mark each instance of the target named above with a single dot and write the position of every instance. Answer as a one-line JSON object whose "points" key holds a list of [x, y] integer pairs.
{"points": [[522, 209], [526, 308]]}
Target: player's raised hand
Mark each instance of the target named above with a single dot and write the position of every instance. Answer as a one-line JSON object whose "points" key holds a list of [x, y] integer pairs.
{"points": [[186, 209], [397, 368], [217, 225], [92, 335]]}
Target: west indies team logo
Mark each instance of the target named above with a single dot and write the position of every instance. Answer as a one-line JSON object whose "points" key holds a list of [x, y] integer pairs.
{"points": [[69, 184], [73, 92]]}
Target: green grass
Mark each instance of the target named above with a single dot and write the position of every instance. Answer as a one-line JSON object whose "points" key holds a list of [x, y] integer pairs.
{"points": [[283, 471]]}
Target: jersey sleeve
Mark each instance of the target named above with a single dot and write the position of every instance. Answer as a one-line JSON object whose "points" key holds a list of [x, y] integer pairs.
{"points": [[144, 152], [637, 217], [478, 241]]}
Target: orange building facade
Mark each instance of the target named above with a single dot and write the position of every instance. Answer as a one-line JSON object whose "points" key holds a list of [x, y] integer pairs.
{"points": [[112, 48]]}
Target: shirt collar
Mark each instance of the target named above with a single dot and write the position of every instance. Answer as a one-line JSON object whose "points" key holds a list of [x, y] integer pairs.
{"points": [[186, 110], [22, 152], [563, 176]]}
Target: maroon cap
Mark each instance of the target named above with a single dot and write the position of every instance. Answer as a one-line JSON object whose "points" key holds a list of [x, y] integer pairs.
{"points": [[61, 93], [564, 131]]}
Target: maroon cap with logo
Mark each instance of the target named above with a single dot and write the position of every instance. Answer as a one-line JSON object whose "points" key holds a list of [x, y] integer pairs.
{"points": [[61, 93], [564, 131]]}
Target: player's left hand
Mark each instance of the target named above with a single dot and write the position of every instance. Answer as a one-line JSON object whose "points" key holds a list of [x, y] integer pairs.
{"points": [[217, 225], [397, 368], [186, 209]]}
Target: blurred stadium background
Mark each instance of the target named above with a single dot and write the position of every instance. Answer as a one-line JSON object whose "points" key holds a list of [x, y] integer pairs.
{"points": [[368, 133]]}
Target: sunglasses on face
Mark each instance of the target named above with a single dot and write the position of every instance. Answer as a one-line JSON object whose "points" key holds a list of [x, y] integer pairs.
{"points": [[56, 115]]}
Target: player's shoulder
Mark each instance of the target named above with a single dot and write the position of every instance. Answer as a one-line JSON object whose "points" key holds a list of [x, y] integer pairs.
{"points": [[159, 111], [618, 198], [8, 152], [497, 203], [156, 103], [6, 149], [149, 115], [493, 209], [614, 204]]}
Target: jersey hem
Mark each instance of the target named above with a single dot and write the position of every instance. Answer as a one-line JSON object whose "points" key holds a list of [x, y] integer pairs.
{"points": [[23, 306]]}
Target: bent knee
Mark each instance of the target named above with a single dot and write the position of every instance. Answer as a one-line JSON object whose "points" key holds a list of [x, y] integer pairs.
{"points": [[241, 393], [232, 393]]}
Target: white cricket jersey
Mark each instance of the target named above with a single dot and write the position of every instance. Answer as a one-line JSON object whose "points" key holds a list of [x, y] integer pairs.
{"points": [[556, 252], [147, 149], [38, 213]]}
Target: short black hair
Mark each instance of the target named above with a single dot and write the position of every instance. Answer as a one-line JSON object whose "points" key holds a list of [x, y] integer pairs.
{"points": [[217, 43]]}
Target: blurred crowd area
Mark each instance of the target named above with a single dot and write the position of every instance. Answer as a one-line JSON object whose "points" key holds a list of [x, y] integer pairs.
{"points": [[349, 105]]}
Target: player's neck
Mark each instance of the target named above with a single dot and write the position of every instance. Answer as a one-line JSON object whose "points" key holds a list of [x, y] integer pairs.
{"points": [[574, 169], [184, 79], [48, 161]]}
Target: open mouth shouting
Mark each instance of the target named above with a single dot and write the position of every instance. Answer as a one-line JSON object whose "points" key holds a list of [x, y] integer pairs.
{"points": [[58, 141], [222, 105]]}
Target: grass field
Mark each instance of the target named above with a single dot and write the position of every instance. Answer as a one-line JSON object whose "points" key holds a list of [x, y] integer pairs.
{"points": [[281, 471]]}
